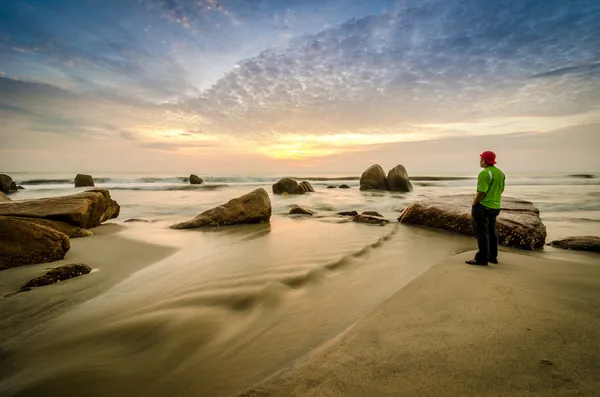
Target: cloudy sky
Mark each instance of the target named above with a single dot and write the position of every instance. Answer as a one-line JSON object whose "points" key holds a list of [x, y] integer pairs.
{"points": [[248, 86]]}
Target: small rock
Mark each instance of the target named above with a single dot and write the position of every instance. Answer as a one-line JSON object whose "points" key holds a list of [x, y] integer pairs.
{"points": [[348, 213], [374, 220], [195, 180], [136, 220], [58, 274], [344, 186], [297, 210], [19, 187], [372, 213], [578, 243], [331, 187], [82, 180]]}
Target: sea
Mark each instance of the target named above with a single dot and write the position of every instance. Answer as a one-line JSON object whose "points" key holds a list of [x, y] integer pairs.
{"points": [[232, 306]]}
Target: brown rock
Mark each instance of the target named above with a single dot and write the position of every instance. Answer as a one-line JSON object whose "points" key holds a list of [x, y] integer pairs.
{"points": [[306, 187], [24, 243], [519, 224], [6, 184], [397, 180], [254, 207], [287, 186], [82, 180], [348, 213], [63, 227], [344, 186], [195, 180], [372, 213], [374, 220], [373, 179], [86, 210], [57, 274], [578, 243], [297, 210], [331, 187], [4, 198]]}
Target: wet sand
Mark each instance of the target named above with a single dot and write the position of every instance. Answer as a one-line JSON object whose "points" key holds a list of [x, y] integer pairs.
{"points": [[528, 326]]}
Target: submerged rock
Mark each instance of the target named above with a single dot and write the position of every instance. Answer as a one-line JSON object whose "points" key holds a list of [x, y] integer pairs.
{"points": [[195, 180], [373, 179], [331, 187], [7, 185], [344, 186], [85, 210], [83, 180], [57, 274], [306, 187], [578, 243], [254, 207], [397, 180], [372, 213], [374, 220], [519, 224], [297, 210], [137, 220], [348, 213], [25, 243]]}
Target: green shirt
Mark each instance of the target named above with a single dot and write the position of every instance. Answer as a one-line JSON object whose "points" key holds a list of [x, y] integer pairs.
{"points": [[491, 182]]}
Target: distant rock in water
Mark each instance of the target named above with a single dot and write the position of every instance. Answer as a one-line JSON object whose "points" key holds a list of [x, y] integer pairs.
{"points": [[82, 180], [4, 198], [254, 207], [57, 274], [136, 220], [306, 187], [291, 186], [578, 243], [397, 180], [195, 180], [7, 185], [25, 243], [348, 213], [373, 179], [331, 187], [297, 210], [519, 224], [344, 186], [19, 187], [372, 213], [374, 220], [583, 176]]}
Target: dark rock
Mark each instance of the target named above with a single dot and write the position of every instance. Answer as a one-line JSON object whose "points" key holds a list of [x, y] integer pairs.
{"points": [[4, 198], [7, 185], [584, 176], [136, 220], [306, 187], [331, 187], [25, 243], [254, 207], [374, 220], [578, 243], [372, 213], [344, 187], [195, 180], [519, 224], [86, 210], [297, 210], [59, 274], [63, 227], [287, 186], [82, 180], [373, 179], [19, 187], [348, 213], [397, 180]]}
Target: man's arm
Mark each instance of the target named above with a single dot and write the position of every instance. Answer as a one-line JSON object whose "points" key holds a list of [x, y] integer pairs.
{"points": [[478, 197]]}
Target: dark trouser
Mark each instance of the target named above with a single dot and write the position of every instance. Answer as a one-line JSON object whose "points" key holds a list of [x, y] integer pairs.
{"points": [[484, 226]]}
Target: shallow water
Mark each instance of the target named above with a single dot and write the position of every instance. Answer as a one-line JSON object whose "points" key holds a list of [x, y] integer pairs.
{"points": [[234, 305]]}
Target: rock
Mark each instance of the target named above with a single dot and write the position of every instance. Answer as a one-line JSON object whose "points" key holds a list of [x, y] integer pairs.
{"points": [[373, 179], [4, 198], [344, 187], [307, 187], [331, 187], [287, 186], [136, 220], [297, 210], [195, 180], [254, 207], [19, 187], [578, 243], [372, 213], [7, 185], [63, 227], [397, 180], [374, 220], [25, 243], [348, 213], [519, 224], [85, 210], [82, 180], [57, 274]]}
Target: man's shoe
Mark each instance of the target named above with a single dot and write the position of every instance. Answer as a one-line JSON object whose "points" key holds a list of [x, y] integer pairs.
{"points": [[475, 263]]}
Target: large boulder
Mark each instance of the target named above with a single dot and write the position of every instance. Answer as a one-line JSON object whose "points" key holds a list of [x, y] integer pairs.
{"points": [[24, 243], [254, 207], [578, 243], [397, 180], [288, 186], [519, 224], [82, 180], [57, 274], [195, 180], [373, 179], [7, 185], [4, 198], [63, 227], [85, 210]]}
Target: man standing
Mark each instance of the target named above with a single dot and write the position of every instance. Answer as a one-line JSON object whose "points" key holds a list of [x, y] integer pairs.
{"points": [[486, 207]]}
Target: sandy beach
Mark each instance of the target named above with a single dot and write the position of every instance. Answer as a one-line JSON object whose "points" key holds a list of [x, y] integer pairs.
{"points": [[528, 326]]}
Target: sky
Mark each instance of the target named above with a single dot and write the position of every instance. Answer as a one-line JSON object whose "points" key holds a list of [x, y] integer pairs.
{"points": [[281, 86]]}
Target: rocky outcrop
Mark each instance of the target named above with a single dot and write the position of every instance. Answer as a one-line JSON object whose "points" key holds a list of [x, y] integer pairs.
{"points": [[397, 180], [306, 187], [291, 186], [63, 227], [4, 198], [374, 220], [373, 179], [254, 207], [7, 185], [519, 224], [195, 180], [578, 243], [57, 274], [24, 243], [85, 210], [82, 180], [297, 210]]}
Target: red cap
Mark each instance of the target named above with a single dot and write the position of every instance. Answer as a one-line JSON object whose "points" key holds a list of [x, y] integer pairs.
{"points": [[489, 157]]}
